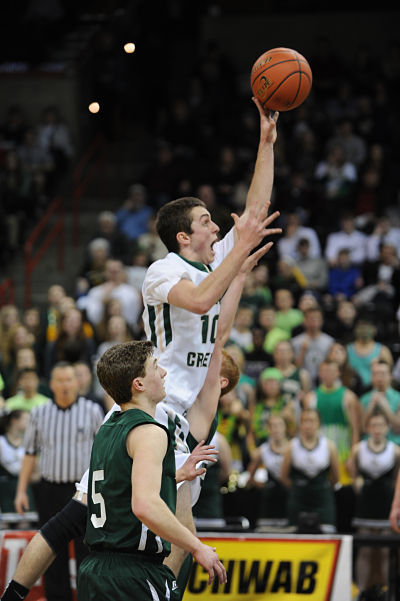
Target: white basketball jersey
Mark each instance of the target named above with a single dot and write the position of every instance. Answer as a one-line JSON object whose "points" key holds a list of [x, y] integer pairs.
{"points": [[375, 464], [311, 461], [272, 461], [184, 341]]}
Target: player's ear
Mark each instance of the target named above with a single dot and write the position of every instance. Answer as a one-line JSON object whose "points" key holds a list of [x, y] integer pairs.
{"points": [[183, 238], [224, 382], [137, 385]]}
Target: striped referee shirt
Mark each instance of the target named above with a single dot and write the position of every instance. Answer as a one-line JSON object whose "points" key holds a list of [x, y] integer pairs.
{"points": [[63, 438]]}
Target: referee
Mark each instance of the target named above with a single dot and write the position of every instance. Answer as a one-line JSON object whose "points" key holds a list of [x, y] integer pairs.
{"points": [[61, 433]]}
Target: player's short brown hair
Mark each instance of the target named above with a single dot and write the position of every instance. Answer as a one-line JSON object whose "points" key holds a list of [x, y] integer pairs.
{"points": [[120, 365], [175, 217], [230, 371]]}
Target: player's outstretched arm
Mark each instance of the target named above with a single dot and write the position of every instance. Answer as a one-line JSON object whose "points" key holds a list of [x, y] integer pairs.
{"points": [[147, 445], [260, 189]]}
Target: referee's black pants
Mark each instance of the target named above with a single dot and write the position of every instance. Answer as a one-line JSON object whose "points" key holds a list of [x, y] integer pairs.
{"points": [[50, 497]]}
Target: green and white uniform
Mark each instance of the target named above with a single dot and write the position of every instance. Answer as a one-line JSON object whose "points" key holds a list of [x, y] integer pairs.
{"points": [[184, 341], [374, 499], [272, 509], [311, 489], [125, 555]]}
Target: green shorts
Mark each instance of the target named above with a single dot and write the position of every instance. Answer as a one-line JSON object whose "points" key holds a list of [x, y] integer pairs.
{"points": [[122, 577]]}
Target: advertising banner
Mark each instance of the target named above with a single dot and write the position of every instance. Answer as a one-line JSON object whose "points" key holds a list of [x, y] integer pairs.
{"points": [[259, 567]]}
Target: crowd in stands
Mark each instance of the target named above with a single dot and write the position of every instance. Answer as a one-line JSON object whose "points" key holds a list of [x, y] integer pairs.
{"points": [[33, 159], [316, 336]]}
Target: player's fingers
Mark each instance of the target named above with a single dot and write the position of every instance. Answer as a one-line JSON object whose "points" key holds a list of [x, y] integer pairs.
{"points": [[274, 115], [261, 252], [271, 232], [271, 218], [221, 572]]}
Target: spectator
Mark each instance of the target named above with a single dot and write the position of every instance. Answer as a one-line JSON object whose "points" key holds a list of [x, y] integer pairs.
{"points": [[375, 461], [136, 270], [288, 276], [34, 158], [293, 232], [151, 242], [93, 271], [341, 324], [9, 316], [115, 286], [112, 307], [54, 136], [233, 424], [340, 413], [117, 331], [365, 350], [384, 398], [310, 470], [312, 346], [271, 401], [314, 269], [74, 343], [256, 292], [296, 381], [84, 376], [12, 451], [52, 312], [382, 283], [347, 375], [337, 178], [287, 316], [347, 237], [120, 245], [271, 510], [354, 146], [273, 334], [133, 215], [345, 278], [241, 332], [28, 396], [384, 232], [256, 359]]}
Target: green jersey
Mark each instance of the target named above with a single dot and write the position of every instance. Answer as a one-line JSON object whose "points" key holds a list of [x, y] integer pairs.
{"points": [[111, 524]]}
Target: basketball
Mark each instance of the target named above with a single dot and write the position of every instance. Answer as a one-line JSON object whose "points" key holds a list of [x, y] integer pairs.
{"points": [[281, 79]]}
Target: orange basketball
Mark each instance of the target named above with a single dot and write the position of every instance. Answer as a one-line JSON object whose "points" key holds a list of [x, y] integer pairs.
{"points": [[281, 79]]}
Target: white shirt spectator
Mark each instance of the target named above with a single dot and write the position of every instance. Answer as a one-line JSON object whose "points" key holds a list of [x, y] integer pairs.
{"points": [[294, 231], [347, 237], [114, 287], [383, 233]]}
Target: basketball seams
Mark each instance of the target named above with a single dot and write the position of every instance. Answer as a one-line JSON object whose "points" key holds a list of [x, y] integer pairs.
{"points": [[289, 60], [281, 83]]}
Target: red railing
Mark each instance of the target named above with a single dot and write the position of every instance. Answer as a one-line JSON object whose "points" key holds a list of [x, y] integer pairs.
{"points": [[54, 221], [7, 292], [91, 164]]}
